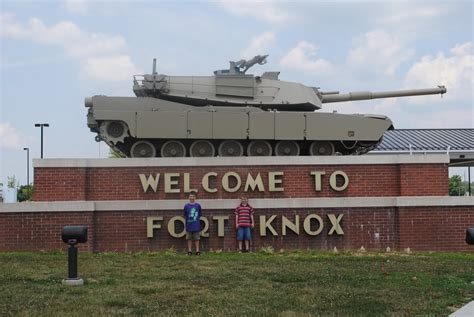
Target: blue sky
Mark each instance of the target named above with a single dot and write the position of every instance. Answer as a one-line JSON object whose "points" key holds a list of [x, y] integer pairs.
{"points": [[55, 53]]}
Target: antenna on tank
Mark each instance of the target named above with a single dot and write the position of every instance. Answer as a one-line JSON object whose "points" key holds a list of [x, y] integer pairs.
{"points": [[154, 66]]}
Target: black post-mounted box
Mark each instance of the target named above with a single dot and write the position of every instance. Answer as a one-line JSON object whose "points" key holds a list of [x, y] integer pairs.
{"points": [[74, 234]]}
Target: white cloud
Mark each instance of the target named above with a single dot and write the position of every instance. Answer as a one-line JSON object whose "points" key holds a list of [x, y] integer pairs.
{"points": [[65, 34], [76, 6], [10, 137], [259, 45], [303, 58], [380, 52], [268, 11], [454, 70], [88, 48], [114, 68]]}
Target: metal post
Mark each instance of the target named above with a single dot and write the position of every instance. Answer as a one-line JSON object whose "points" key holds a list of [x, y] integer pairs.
{"points": [[469, 179], [41, 141], [27, 165], [41, 125], [72, 262]]}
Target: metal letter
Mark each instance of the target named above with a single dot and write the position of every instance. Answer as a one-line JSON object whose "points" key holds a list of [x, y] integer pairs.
{"points": [[254, 183], [266, 224], [171, 229], [150, 225], [335, 222], [317, 179], [150, 182], [307, 225], [286, 223], [169, 182], [187, 183], [273, 182], [332, 181], [204, 231], [220, 224], [205, 182], [225, 182]]}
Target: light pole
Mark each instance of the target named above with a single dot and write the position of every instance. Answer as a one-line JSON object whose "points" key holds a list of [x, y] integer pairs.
{"points": [[27, 165], [42, 125]]}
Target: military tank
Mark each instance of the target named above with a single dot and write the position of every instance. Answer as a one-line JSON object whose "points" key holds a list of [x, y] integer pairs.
{"points": [[233, 113]]}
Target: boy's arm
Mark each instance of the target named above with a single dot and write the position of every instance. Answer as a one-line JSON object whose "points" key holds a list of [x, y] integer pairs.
{"points": [[253, 222]]}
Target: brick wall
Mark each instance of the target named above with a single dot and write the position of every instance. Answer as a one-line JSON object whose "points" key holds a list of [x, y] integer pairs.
{"points": [[123, 183], [376, 228], [436, 227]]}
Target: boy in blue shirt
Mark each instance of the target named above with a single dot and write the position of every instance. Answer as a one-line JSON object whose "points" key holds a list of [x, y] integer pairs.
{"points": [[192, 215]]}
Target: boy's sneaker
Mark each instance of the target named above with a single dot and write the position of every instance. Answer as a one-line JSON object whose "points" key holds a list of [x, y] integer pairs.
{"points": [[240, 251], [190, 253], [198, 253]]}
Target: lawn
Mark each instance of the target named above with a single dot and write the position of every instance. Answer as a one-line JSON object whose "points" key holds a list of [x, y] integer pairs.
{"points": [[222, 284]]}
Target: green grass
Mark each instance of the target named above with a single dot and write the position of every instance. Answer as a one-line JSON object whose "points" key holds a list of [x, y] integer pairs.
{"points": [[222, 284]]}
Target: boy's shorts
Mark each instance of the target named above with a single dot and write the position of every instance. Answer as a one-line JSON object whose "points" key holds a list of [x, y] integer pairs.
{"points": [[243, 233], [195, 235]]}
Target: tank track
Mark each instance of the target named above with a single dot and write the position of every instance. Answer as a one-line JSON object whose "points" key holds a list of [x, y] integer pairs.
{"points": [[199, 148]]}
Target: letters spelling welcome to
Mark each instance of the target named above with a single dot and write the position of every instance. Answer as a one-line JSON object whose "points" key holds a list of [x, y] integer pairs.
{"points": [[232, 182]]}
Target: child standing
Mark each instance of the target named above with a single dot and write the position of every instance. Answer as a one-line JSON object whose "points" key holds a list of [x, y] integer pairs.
{"points": [[243, 222], [192, 215]]}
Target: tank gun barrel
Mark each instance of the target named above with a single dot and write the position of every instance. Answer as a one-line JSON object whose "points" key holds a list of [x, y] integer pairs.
{"points": [[367, 95]]}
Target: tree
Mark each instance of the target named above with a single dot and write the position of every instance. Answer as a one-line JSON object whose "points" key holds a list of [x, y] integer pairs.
{"points": [[25, 193], [456, 186], [12, 182]]}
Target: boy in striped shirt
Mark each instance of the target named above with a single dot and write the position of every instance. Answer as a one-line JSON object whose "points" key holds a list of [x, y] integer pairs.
{"points": [[243, 222]]}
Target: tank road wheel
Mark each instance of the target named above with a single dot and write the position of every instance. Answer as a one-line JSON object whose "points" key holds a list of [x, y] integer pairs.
{"points": [[230, 148], [143, 149], [259, 148], [322, 148], [202, 148], [173, 149], [114, 131], [287, 148]]}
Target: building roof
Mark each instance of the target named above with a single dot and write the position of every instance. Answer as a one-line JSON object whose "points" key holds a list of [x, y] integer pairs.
{"points": [[458, 143], [427, 140]]}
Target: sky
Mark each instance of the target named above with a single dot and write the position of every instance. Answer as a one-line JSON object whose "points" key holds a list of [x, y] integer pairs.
{"points": [[55, 53]]}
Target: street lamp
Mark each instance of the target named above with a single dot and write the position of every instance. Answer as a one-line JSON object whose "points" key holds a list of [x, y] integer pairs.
{"points": [[42, 125], [27, 165]]}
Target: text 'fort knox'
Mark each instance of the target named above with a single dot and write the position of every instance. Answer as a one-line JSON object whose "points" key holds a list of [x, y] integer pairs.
{"points": [[232, 182], [313, 225]]}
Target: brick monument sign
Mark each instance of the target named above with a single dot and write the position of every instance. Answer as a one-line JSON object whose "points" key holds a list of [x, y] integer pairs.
{"points": [[372, 201]]}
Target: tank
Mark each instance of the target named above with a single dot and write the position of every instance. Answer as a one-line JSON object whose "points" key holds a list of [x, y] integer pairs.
{"points": [[233, 113]]}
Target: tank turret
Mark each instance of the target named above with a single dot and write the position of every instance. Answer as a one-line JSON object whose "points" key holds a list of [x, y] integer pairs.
{"points": [[233, 113]]}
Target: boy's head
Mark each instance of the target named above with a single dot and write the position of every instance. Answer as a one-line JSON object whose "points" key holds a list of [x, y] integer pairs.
{"points": [[192, 196], [243, 200]]}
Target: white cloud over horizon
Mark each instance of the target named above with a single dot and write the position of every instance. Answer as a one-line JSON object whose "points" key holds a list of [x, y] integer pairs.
{"points": [[260, 44], [455, 70], [114, 68], [85, 47], [10, 137], [303, 58], [380, 52]]}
